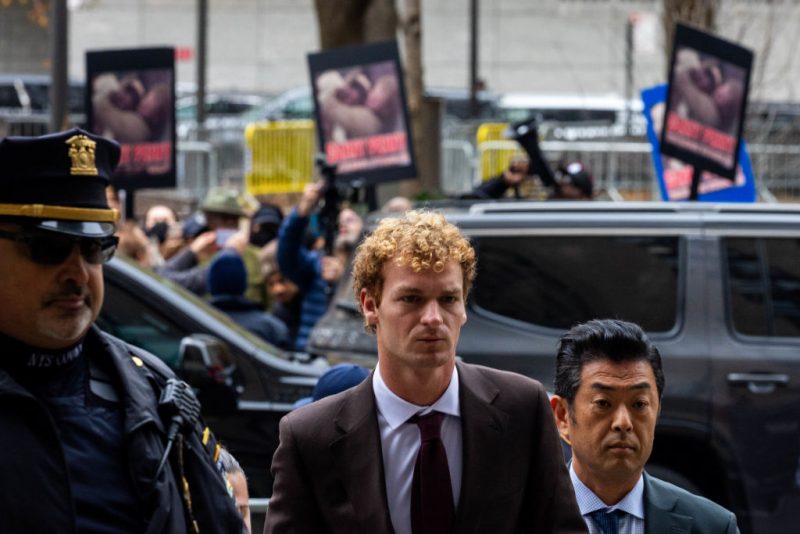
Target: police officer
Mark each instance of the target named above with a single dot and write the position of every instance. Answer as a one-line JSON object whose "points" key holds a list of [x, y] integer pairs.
{"points": [[80, 429]]}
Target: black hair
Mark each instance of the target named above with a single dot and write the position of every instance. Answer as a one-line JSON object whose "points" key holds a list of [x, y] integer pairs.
{"points": [[600, 339]]}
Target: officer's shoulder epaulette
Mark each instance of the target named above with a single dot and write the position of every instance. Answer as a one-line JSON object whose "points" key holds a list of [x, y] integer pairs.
{"points": [[140, 357]]}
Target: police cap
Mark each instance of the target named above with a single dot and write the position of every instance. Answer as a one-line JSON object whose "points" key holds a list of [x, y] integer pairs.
{"points": [[58, 182]]}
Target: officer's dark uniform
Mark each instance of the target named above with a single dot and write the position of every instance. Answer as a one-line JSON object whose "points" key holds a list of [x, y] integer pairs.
{"points": [[80, 431]]}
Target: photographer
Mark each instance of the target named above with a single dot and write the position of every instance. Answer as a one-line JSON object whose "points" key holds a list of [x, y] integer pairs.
{"points": [[222, 210], [571, 181]]}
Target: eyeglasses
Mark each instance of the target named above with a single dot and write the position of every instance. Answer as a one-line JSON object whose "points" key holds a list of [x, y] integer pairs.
{"points": [[47, 248]]}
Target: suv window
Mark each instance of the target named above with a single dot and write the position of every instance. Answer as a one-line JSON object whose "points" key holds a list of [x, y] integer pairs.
{"points": [[543, 280], [764, 285], [125, 317]]}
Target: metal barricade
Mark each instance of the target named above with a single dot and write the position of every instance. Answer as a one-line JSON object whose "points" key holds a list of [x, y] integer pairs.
{"points": [[29, 125], [280, 156], [776, 170], [491, 131], [457, 166], [495, 159], [13, 123], [197, 167], [624, 167], [627, 167]]}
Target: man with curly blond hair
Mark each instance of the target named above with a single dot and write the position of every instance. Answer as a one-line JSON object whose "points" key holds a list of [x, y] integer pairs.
{"points": [[425, 444]]}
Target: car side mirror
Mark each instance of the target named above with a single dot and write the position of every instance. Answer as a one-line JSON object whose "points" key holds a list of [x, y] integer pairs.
{"points": [[207, 365]]}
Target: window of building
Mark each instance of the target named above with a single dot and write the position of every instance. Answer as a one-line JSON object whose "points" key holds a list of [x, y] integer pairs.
{"points": [[763, 285], [557, 281]]}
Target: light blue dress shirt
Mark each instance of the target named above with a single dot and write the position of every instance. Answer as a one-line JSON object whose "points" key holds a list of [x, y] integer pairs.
{"points": [[632, 520]]}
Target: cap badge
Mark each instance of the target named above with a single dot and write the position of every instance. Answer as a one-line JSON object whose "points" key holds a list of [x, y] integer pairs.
{"points": [[81, 152]]}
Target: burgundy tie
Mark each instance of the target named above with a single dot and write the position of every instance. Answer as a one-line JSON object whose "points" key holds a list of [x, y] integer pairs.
{"points": [[432, 510]]}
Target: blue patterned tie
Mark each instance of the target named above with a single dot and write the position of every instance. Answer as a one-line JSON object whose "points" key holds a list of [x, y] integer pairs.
{"points": [[607, 520]]}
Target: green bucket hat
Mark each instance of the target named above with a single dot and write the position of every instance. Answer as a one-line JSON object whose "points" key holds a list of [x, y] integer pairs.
{"points": [[224, 200]]}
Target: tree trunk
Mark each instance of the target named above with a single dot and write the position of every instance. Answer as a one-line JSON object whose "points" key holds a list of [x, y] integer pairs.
{"points": [[419, 113], [354, 22], [701, 13]]}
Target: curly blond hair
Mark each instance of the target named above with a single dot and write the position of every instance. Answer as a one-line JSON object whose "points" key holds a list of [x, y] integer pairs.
{"points": [[422, 240]]}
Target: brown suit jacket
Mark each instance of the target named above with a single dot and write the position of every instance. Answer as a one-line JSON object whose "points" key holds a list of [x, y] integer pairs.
{"points": [[328, 468]]}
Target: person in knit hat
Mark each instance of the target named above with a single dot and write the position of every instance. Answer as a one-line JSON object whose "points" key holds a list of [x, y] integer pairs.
{"points": [[227, 282]]}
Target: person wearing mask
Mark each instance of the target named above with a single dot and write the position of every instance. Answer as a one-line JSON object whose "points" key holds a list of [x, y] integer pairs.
{"points": [[160, 226], [222, 209], [264, 225]]}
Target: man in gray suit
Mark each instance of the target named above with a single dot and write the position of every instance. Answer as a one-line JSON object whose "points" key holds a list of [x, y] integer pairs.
{"points": [[608, 387], [424, 444]]}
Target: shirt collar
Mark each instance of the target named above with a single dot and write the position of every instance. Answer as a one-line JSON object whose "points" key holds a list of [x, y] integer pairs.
{"points": [[397, 411], [588, 502]]}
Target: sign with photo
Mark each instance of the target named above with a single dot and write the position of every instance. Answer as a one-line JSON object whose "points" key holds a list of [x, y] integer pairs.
{"points": [[708, 84], [675, 176], [130, 98], [361, 113]]}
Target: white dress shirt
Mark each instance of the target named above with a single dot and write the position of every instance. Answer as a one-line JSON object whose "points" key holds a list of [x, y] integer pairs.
{"points": [[631, 522], [400, 444]]}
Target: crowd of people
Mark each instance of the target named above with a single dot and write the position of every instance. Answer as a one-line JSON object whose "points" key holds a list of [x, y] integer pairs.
{"points": [[267, 270], [102, 436]]}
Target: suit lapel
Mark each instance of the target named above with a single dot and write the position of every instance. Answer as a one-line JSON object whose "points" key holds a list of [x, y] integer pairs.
{"points": [[658, 510], [482, 427], [358, 458]]}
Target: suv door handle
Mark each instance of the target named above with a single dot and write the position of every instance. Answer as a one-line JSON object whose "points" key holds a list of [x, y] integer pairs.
{"points": [[759, 383]]}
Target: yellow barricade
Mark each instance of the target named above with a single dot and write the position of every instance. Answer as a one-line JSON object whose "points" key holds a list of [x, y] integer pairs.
{"points": [[495, 150], [280, 156], [491, 131]]}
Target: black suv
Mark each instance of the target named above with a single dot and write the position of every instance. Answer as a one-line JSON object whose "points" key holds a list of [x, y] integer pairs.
{"points": [[717, 288], [245, 385]]}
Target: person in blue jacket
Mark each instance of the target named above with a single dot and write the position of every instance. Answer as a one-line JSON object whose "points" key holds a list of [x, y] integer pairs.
{"points": [[312, 271]]}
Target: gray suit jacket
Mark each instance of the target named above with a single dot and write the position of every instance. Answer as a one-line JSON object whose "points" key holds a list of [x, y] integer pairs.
{"points": [[672, 510], [328, 468]]}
